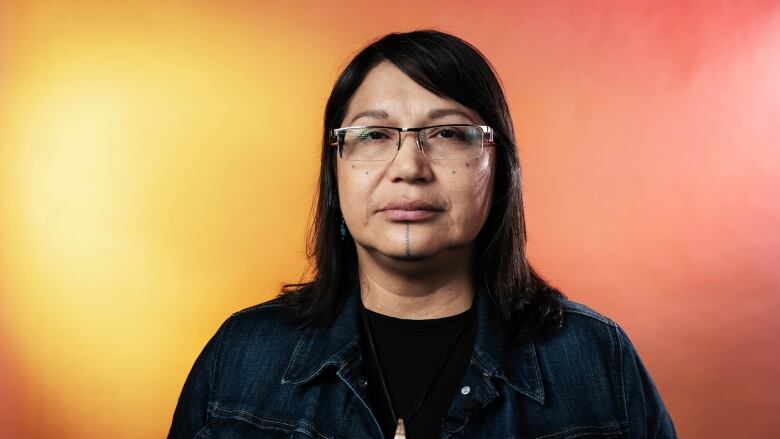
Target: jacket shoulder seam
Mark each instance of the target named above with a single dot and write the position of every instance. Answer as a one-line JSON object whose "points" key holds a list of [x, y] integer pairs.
{"points": [[621, 368], [273, 303], [219, 350], [224, 336], [578, 308]]}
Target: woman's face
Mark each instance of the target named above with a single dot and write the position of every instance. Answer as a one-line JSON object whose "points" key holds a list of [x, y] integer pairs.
{"points": [[459, 191]]}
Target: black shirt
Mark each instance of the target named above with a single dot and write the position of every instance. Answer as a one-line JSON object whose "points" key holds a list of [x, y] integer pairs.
{"points": [[410, 353]]}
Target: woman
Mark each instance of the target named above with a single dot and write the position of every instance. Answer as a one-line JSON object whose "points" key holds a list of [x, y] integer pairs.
{"points": [[423, 318]]}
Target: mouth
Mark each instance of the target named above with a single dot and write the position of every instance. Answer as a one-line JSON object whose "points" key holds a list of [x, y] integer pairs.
{"points": [[413, 210], [409, 215]]}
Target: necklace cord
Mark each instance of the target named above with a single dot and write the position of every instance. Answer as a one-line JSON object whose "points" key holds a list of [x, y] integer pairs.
{"points": [[417, 405]]}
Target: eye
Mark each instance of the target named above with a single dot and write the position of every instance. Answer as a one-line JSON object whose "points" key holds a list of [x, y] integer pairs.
{"points": [[448, 133], [373, 134]]}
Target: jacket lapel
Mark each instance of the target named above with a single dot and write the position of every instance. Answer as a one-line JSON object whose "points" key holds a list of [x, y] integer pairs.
{"points": [[494, 357]]}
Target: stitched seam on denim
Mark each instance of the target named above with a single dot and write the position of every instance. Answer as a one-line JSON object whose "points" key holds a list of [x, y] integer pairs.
{"points": [[335, 362], [257, 307], [540, 386], [622, 373], [602, 319], [491, 396], [311, 430], [357, 395], [295, 355], [260, 426], [658, 424], [597, 427], [217, 363], [252, 419], [536, 396], [476, 363], [202, 429], [338, 361], [485, 376]]}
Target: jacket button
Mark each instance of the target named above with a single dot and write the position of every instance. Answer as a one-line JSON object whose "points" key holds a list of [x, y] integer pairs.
{"points": [[465, 390], [362, 383]]}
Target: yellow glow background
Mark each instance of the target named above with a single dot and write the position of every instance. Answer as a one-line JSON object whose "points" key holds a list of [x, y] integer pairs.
{"points": [[158, 163]]}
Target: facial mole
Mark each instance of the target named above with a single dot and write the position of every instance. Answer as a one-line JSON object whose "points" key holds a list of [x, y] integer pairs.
{"points": [[366, 172], [467, 164], [453, 171], [353, 166]]}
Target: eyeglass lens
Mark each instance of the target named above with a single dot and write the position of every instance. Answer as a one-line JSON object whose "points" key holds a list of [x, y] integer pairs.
{"points": [[438, 143]]}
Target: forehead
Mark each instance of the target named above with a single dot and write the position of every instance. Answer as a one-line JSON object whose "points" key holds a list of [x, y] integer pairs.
{"points": [[387, 89]]}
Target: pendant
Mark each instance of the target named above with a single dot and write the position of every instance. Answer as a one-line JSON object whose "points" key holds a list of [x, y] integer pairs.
{"points": [[400, 430]]}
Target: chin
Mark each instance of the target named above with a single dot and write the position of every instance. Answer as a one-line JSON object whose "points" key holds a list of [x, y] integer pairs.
{"points": [[393, 243], [419, 250]]}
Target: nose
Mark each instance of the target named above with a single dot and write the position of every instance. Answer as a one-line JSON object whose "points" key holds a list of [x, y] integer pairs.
{"points": [[409, 163]]}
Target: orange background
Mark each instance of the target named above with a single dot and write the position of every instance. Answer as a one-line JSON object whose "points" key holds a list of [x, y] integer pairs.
{"points": [[158, 162]]}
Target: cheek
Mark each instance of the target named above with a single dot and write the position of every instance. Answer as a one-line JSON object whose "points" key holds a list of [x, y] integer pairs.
{"points": [[472, 183], [355, 182], [478, 173], [483, 177]]}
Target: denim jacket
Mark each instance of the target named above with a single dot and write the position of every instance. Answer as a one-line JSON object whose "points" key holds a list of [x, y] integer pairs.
{"points": [[259, 377]]}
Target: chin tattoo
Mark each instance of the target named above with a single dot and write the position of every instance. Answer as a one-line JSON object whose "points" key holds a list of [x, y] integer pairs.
{"points": [[408, 247]]}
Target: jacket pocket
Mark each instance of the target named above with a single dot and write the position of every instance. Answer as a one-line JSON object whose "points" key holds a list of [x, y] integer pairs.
{"points": [[238, 423], [613, 431]]}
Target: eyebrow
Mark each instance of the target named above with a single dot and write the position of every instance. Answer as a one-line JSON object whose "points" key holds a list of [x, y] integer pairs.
{"points": [[433, 114]]}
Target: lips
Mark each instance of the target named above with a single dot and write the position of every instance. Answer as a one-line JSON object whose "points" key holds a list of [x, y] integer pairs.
{"points": [[409, 210], [411, 205]]}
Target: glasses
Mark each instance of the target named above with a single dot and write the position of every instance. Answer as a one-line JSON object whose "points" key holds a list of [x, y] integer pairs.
{"points": [[438, 142]]}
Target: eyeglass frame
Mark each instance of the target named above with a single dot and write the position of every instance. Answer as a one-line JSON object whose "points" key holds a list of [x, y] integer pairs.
{"points": [[486, 131]]}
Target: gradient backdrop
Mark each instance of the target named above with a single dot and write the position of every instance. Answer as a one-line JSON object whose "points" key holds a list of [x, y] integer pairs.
{"points": [[158, 162]]}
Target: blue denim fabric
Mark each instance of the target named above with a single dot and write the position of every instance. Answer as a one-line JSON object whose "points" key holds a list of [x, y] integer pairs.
{"points": [[258, 377]]}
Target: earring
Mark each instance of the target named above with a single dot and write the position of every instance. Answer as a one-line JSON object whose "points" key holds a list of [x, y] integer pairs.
{"points": [[342, 230]]}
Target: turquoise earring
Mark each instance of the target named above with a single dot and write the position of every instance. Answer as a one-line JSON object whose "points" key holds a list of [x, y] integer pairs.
{"points": [[342, 230]]}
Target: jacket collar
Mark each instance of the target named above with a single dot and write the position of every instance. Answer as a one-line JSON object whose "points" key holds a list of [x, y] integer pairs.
{"points": [[494, 355]]}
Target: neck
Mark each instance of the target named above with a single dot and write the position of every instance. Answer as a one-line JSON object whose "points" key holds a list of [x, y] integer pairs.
{"points": [[436, 287]]}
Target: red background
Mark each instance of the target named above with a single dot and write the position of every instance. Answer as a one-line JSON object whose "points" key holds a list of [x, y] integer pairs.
{"points": [[158, 162]]}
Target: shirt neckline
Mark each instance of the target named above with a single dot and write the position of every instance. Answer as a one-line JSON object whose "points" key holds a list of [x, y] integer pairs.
{"points": [[440, 325]]}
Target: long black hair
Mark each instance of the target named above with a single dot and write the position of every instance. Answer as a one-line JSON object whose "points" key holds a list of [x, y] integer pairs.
{"points": [[451, 68]]}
